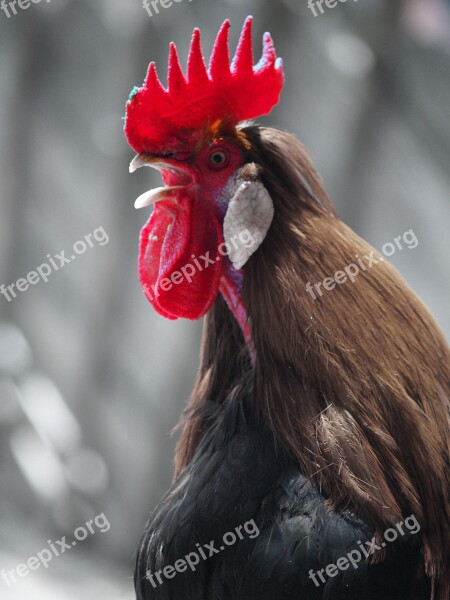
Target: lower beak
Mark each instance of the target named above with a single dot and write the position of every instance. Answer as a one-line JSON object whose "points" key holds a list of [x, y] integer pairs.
{"points": [[155, 195]]}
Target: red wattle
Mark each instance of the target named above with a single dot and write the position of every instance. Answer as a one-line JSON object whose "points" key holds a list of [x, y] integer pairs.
{"points": [[179, 261]]}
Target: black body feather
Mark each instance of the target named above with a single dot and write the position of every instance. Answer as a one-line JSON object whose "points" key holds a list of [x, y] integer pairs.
{"points": [[238, 475]]}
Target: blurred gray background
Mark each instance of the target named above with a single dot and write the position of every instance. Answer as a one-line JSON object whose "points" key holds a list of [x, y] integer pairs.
{"points": [[91, 378]]}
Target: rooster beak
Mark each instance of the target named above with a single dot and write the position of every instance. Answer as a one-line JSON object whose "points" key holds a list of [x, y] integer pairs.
{"points": [[148, 160], [156, 162], [152, 196]]}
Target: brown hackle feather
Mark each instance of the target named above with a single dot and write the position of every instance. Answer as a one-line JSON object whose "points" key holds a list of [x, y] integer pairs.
{"points": [[354, 385]]}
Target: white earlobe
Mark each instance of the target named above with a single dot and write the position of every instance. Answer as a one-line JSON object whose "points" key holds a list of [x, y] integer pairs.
{"points": [[247, 220]]}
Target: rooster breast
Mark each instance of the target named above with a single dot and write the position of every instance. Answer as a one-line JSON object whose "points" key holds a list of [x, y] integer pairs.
{"points": [[237, 476]]}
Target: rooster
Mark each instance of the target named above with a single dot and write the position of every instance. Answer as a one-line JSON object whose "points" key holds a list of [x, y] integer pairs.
{"points": [[318, 423]]}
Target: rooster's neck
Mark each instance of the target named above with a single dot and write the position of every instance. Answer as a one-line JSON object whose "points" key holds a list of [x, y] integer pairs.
{"points": [[231, 290]]}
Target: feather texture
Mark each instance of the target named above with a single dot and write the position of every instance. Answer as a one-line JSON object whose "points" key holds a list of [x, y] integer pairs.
{"points": [[354, 386]]}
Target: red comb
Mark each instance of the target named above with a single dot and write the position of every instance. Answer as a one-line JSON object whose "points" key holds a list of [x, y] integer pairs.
{"points": [[164, 121]]}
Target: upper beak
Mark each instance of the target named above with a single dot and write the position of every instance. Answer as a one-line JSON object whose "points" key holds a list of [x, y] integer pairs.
{"points": [[156, 162], [148, 160]]}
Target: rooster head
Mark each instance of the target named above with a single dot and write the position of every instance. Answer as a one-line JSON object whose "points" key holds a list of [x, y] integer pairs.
{"points": [[209, 217]]}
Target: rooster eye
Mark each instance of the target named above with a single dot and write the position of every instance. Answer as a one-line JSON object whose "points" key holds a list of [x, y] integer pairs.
{"points": [[218, 159]]}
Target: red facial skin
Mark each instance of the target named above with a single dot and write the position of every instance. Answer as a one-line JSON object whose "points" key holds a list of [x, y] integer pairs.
{"points": [[207, 177], [184, 228]]}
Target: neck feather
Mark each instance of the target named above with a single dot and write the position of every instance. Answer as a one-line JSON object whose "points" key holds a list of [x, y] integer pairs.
{"points": [[344, 382]]}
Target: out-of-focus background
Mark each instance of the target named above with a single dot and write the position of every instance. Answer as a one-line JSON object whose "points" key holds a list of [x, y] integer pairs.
{"points": [[91, 379]]}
